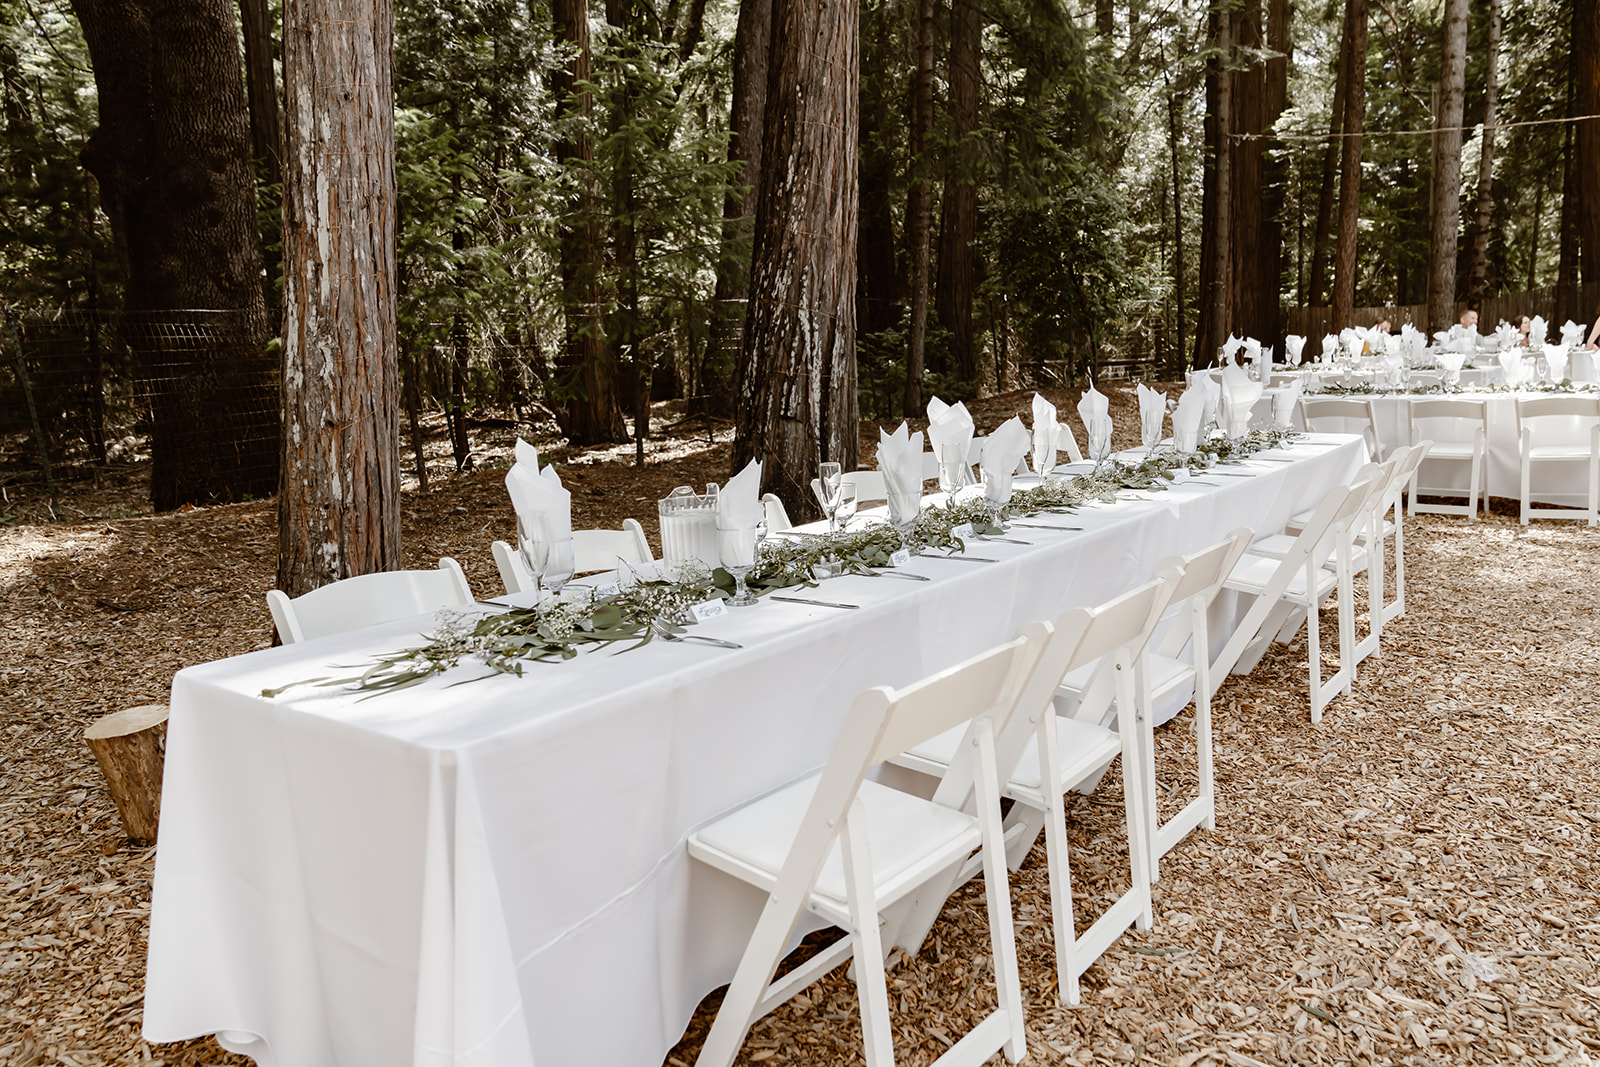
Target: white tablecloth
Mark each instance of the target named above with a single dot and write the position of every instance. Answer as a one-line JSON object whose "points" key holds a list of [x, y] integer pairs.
{"points": [[1550, 483], [495, 873]]}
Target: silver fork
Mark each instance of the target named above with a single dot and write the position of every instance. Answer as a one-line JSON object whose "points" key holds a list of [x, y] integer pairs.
{"points": [[661, 631]]}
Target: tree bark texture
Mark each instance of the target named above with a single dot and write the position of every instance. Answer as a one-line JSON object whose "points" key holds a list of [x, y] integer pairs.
{"points": [[1177, 206], [339, 508], [585, 395], [172, 157], [1446, 208], [721, 371], [919, 211], [1355, 110], [1216, 251], [798, 398], [1259, 92], [958, 253], [877, 272], [1330, 170], [130, 746], [1567, 232], [266, 137], [1483, 214], [1586, 53]]}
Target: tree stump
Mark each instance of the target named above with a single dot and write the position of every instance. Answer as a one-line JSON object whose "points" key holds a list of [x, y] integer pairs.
{"points": [[130, 746]]}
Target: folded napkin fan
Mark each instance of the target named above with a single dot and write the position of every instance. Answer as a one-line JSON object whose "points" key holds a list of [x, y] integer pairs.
{"points": [[1507, 336], [1511, 363], [1095, 411], [543, 506], [739, 504], [1046, 432], [900, 460], [1230, 350], [1572, 334], [1283, 402], [1239, 396], [1556, 356], [1001, 453], [1294, 347], [1152, 412], [1187, 417], [950, 433], [1538, 331]]}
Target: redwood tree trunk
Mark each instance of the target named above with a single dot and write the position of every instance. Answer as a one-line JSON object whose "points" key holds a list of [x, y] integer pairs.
{"points": [[586, 389], [1446, 208], [1586, 54], [958, 255], [339, 508], [798, 398], [721, 372], [1330, 162], [1355, 109], [266, 134], [1483, 216], [1216, 253], [919, 211], [172, 156], [1177, 205]]}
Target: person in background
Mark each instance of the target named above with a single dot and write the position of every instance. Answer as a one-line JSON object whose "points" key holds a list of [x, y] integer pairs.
{"points": [[1594, 334], [1469, 319], [1385, 326], [1524, 324]]}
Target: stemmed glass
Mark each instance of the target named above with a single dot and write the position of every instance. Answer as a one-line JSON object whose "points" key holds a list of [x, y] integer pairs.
{"points": [[533, 552], [736, 547], [830, 478], [845, 509], [996, 494], [550, 562], [954, 474]]}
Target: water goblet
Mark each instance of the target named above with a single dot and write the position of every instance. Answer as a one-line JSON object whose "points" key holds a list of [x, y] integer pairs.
{"points": [[534, 552], [736, 547], [830, 476], [845, 510], [954, 473], [558, 565], [996, 495]]}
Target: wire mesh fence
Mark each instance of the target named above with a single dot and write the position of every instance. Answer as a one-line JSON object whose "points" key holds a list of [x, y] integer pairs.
{"points": [[197, 391]]}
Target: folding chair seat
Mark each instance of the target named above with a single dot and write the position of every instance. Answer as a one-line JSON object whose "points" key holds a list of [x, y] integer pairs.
{"points": [[1050, 755], [1288, 592], [1342, 415], [592, 550], [1459, 430], [855, 852], [1559, 430], [366, 600]]}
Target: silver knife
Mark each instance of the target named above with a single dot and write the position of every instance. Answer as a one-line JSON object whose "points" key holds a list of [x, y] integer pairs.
{"points": [[892, 573], [959, 559], [815, 603], [1005, 540], [1045, 526]]}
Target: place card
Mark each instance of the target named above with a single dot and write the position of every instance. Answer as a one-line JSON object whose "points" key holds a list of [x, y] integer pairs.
{"points": [[900, 557], [708, 609], [608, 589]]}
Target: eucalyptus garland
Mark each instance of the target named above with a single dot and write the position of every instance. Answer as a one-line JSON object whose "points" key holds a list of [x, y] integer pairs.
{"points": [[558, 629], [1369, 389]]}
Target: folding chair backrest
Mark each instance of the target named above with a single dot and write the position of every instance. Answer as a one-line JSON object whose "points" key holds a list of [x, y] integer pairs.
{"points": [[1203, 574], [1557, 419], [604, 550], [1344, 415], [777, 514], [368, 599], [986, 684], [1470, 410]]}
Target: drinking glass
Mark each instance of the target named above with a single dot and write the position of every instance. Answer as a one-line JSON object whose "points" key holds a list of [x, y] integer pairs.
{"points": [[558, 565], [533, 552], [996, 494], [830, 477], [736, 546], [845, 509], [954, 473]]}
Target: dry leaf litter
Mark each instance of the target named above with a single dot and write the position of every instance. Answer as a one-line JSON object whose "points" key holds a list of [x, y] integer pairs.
{"points": [[1413, 881]]}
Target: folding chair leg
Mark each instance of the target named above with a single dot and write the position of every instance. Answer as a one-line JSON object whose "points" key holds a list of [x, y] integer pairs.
{"points": [[872, 987], [997, 890]]}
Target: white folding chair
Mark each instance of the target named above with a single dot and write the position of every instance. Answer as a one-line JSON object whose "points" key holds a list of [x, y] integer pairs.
{"points": [[592, 550], [1559, 430], [367, 599], [1052, 754], [869, 485], [1289, 591], [850, 850], [1444, 422], [1342, 415], [1203, 574], [777, 514]]}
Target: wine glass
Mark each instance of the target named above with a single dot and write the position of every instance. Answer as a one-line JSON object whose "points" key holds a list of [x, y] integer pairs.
{"points": [[533, 552], [558, 565], [996, 494], [830, 477], [954, 474], [845, 509], [736, 547]]}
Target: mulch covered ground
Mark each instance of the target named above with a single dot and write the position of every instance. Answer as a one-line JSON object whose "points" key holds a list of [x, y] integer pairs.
{"points": [[1414, 880]]}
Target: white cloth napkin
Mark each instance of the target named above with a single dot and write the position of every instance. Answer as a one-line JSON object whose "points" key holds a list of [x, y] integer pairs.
{"points": [[1187, 417], [1393, 362], [739, 504], [1506, 336], [1152, 412], [1330, 347], [1212, 392], [1046, 432], [1511, 363], [1572, 334], [1556, 356], [1283, 402], [1538, 330], [1252, 356], [1001, 453], [544, 508], [1351, 340], [949, 432], [1294, 346], [1413, 338], [1450, 363], [1230, 350], [1239, 396], [900, 460], [1095, 410]]}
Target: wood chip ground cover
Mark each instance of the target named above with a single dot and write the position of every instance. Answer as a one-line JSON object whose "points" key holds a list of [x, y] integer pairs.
{"points": [[1413, 881]]}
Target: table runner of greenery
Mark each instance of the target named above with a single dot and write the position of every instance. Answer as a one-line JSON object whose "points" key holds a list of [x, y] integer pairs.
{"points": [[558, 628]]}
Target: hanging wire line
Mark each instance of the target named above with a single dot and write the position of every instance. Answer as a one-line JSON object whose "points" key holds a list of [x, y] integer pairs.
{"points": [[1429, 132]]}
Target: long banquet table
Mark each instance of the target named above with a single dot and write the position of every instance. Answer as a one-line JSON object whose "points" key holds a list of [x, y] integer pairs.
{"points": [[495, 872]]}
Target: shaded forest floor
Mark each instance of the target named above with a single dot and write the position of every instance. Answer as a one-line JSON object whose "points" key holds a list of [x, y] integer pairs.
{"points": [[1412, 881]]}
